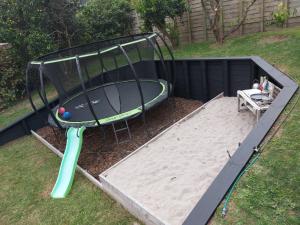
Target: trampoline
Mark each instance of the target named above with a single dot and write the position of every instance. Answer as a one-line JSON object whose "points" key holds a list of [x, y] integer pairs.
{"points": [[103, 82], [112, 102], [98, 84]]}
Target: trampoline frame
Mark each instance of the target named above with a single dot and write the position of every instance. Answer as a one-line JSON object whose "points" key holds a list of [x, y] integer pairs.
{"points": [[170, 74]]}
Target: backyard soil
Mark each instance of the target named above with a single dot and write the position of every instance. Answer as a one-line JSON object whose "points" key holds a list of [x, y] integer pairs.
{"points": [[99, 153]]}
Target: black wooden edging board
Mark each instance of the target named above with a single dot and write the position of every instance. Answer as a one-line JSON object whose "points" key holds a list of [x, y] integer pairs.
{"points": [[206, 206], [22, 126]]}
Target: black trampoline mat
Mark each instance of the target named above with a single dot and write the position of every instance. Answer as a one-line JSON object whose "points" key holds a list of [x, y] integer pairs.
{"points": [[111, 100]]}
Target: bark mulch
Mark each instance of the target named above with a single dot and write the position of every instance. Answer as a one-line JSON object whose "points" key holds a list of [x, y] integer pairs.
{"points": [[99, 153]]}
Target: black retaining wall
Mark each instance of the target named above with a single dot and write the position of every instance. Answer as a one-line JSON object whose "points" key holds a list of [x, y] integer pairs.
{"points": [[200, 79]]}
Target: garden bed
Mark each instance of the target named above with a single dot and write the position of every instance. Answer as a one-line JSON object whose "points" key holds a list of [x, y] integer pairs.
{"points": [[98, 154]]}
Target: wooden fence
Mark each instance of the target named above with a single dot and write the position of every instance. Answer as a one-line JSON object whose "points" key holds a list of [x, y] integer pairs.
{"points": [[193, 26]]}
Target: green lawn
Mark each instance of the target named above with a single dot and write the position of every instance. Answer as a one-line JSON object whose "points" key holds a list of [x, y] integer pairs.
{"points": [[23, 107], [268, 194], [10, 114], [28, 171]]}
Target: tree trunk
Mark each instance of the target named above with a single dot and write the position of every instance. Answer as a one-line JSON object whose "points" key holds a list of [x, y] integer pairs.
{"points": [[217, 30], [68, 37], [166, 34]]}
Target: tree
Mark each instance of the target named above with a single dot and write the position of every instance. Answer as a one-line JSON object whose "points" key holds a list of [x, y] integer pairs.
{"points": [[212, 10], [62, 23], [36, 27], [163, 15], [9, 79], [22, 24], [101, 19], [32, 28]]}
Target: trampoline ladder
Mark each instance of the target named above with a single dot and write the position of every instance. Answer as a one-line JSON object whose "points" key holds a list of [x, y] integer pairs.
{"points": [[121, 129]]}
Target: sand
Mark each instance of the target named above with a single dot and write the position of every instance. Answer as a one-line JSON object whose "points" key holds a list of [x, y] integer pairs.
{"points": [[168, 176]]}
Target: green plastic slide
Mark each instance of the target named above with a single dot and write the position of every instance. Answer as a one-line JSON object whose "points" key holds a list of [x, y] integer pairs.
{"points": [[68, 165]]}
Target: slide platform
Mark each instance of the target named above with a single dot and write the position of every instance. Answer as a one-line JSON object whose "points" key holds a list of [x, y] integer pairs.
{"points": [[68, 165]]}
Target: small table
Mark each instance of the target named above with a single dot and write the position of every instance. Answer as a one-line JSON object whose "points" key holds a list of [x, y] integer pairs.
{"points": [[245, 101]]}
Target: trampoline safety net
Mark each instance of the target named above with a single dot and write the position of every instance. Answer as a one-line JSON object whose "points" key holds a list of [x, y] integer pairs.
{"points": [[102, 82]]}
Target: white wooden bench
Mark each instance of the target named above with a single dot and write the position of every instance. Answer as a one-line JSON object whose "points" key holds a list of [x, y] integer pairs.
{"points": [[246, 102]]}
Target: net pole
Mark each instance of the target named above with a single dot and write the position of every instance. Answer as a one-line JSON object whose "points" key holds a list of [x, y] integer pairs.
{"points": [[84, 91], [162, 55], [30, 95], [158, 53], [118, 79], [111, 80], [102, 66], [44, 96], [172, 58], [102, 79], [136, 79], [116, 66], [40, 94], [28, 90], [87, 75], [138, 50]]}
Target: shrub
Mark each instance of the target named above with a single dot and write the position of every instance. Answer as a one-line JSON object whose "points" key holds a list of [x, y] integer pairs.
{"points": [[281, 14], [11, 82], [163, 15], [28, 26], [101, 19], [62, 23], [22, 25], [36, 27]]}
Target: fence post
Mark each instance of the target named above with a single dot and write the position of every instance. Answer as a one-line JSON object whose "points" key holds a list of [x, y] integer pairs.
{"points": [[262, 22], [241, 13], [287, 3], [221, 18], [190, 30], [205, 25]]}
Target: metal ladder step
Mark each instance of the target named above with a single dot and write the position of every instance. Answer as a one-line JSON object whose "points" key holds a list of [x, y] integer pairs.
{"points": [[118, 130], [121, 129]]}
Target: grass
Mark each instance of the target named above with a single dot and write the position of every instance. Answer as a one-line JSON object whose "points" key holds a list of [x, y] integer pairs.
{"points": [[28, 171], [23, 107], [8, 115], [268, 194]]}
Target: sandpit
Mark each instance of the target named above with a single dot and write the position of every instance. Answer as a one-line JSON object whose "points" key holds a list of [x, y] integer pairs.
{"points": [[163, 180]]}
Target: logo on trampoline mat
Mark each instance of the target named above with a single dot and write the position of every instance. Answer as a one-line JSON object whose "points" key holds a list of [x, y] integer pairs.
{"points": [[83, 105]]}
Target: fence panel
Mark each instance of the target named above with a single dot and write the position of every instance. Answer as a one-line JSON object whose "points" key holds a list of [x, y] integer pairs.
{"points": [[194, 27]]}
